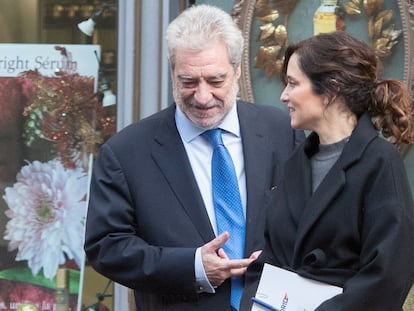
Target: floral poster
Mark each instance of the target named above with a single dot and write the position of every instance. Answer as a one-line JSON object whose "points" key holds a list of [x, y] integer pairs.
{"points": [[51, 123]]}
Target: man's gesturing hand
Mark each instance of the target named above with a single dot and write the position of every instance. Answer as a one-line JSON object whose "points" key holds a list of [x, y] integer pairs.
{"points": [[218, 266]]}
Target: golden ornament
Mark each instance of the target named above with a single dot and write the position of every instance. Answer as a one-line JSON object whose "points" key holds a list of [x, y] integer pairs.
{"points": [[274, 34]]}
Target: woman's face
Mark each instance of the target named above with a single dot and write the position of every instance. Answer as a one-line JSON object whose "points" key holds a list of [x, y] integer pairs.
{"points": [[306, 108]]}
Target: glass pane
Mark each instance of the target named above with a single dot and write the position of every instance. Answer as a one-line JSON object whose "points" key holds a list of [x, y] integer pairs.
{"points": [[53, 118]]}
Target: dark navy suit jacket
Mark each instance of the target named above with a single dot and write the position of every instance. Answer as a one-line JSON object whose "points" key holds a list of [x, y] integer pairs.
{"points": [[146, 216]]}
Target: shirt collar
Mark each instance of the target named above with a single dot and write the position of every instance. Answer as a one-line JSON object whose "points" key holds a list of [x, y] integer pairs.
{"points": [[189, 131]]}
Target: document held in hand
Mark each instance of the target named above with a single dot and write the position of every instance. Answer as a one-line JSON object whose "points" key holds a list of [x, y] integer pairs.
{"points": [[283, 290]]}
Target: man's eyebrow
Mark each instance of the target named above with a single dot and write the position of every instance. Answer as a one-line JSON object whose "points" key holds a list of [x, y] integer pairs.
{"points": [[218, 76], [215, 76], [187, 77]]}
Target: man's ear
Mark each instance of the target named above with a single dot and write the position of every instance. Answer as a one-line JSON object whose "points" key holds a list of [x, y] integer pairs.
{"points": [[238, 71]]}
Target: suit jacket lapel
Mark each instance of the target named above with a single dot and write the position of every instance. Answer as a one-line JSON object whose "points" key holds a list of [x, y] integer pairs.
{"points": [[170, 155], [253, 146]]}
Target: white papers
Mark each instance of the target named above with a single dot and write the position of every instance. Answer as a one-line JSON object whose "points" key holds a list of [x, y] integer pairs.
{"points": [[287, 291]]}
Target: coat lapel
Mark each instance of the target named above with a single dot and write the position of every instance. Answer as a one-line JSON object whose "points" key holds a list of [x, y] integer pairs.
{"points": [[298, 180], [318, 203], [169, 153]]}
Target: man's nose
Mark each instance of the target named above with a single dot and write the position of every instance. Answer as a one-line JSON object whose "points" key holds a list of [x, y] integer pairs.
{"points": [[203, 93]]}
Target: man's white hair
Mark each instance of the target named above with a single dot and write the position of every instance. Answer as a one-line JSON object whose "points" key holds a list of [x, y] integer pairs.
{"points": [[198, 26]]}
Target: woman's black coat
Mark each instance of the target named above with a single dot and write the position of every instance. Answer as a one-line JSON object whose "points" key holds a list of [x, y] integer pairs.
{"points": [[355, 231]]}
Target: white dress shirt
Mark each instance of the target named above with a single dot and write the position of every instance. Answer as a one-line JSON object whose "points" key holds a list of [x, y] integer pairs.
{"points": [[200, 152]]}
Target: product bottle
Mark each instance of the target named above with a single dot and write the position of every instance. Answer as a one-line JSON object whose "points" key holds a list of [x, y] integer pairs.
{"points": [[324, 19], [62, 290]]}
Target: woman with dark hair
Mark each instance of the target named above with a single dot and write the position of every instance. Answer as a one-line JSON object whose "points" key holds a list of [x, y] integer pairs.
{"points": [[343, 213]]}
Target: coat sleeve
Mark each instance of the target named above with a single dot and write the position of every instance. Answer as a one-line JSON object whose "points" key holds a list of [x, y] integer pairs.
{"points": [[386, 270], [113, 246]]}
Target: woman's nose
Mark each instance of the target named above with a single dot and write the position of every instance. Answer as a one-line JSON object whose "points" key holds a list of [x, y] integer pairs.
{"points": [[284, 96]]}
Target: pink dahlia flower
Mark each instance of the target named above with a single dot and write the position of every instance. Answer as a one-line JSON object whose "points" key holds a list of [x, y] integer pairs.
{"points": [[47, 209]]}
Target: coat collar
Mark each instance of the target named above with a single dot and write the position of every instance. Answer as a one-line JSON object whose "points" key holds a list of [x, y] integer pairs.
{"points": [[312, 206]]}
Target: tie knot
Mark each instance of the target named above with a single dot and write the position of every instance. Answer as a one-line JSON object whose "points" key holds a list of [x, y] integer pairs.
{"points": [[214, 137]]}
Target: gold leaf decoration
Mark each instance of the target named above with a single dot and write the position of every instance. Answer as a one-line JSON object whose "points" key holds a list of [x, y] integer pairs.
{"points": [[383, 47], [274, 67], [371, 6], [382, 40], [273, 35], [351, 8], [378, 27], [385, 15], [268, 15], [371, 30], [274, 14], [266, 55], [392, 34], [266, 31], [280, 34]]}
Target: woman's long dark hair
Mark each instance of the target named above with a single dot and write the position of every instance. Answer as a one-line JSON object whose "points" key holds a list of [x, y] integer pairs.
{"points": [[338, 64]]}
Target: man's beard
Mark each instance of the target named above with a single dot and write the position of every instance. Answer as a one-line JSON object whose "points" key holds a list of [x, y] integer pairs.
{"points": [[190, 102]]}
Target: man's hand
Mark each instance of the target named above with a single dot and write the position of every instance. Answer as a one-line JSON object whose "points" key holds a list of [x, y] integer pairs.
{"points": [[218, 266]]}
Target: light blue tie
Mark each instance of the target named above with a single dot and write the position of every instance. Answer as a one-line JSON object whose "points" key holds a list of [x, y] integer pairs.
{"points": [[228, 206]]}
